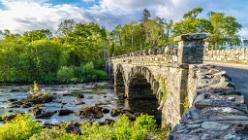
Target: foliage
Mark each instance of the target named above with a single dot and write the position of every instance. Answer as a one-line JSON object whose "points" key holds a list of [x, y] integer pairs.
{"points": [[37, 56], [21, 128], [223, 29], [186, 103], [65, 74]]}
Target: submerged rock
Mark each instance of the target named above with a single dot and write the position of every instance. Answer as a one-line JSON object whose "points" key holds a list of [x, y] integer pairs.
{"points": [[64, 112], [12, 100], [105, 110]]}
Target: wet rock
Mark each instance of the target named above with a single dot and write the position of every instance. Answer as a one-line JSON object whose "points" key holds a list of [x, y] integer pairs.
{"points": [[131, 115], [94, 112], [105, 110], [105, 102], [14, 106], [26, 105], [12, 100], [115, 112], [32, 100], [64, 112], [50, 126], [203, 103], [80, 103], [78, 94], [39, 113], [214, 126], [231, 137], [9, 117], [17, 90], [73, 128], [108, 122]]}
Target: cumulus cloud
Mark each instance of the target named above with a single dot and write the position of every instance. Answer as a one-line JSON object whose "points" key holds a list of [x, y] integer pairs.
{"points": [[23, 15]]}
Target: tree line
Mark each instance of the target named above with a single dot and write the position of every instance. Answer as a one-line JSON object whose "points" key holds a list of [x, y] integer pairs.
{"points": [[157, 32], [77, 52]]}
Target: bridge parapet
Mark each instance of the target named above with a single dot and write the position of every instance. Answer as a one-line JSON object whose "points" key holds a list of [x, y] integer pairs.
{"points": [[237, 55], [218, 110]]}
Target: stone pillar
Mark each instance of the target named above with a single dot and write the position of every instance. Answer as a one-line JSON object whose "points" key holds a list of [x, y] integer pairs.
{"points": [[190, 48]]}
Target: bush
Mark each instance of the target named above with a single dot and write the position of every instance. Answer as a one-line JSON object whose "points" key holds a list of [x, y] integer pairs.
{"points": [[87, 73], [99, 75], [54, 134], [65, 74], [24, 127], [20, 128]]}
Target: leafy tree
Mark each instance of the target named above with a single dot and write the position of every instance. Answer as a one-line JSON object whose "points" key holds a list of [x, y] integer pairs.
{"points": [[192, 24], [223, 29], [36, 35], [66, 27], [146, 14]]}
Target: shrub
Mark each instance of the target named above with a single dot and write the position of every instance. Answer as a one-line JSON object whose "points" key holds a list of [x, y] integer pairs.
{"points": [[65, 74], [143, 125], [122, 129], [54, 134], [96, 132], [20, 128], [99, 75]]}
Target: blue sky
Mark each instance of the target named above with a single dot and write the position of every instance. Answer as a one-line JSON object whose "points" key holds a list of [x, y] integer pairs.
{"points": [[23, 15]]}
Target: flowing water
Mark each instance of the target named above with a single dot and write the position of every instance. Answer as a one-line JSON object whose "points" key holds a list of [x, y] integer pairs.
{"points": [[102, 96]]}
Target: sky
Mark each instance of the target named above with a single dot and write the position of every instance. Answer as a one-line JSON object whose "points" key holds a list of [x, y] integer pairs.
{"points": [[25, 15]]}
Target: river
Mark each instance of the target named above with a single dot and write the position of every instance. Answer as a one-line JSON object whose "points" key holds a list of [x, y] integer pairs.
{"points": [[99, 94]]}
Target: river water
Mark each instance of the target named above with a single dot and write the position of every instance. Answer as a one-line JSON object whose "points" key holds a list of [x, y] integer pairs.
{"points": [[101, 95]]}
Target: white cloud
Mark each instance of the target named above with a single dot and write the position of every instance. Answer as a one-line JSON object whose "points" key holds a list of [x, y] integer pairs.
{"points": [[244, 33], [24, 15]]}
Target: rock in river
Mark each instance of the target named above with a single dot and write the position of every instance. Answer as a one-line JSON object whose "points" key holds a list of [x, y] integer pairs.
{"points": [[94, 112], [64, 112], [39, 113]]}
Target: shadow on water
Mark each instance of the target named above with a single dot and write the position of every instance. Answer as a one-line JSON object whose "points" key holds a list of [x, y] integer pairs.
{"points": [[143, 106]]}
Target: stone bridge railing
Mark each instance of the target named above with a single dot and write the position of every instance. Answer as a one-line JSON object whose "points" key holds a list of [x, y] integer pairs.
{"points": [[217, 109], [237, 55]]}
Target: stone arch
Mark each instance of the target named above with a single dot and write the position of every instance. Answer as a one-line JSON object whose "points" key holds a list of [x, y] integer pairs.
{"points": [[141, 78], [144, 92], [119, 81]]}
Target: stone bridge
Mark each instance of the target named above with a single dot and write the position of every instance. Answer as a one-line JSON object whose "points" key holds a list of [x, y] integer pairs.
{"points": [[198, 101], [161, 73]]}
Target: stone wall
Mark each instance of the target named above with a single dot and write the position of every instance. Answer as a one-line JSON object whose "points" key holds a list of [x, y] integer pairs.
{"points": [[239, 55], [218, 110]]}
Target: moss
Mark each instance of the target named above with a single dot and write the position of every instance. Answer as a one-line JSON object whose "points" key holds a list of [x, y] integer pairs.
{"points": [[162, 82], [186, 103]]}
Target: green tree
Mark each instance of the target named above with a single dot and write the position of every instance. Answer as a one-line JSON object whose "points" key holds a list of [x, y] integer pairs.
{"points": [[36, 35], [224, 30], [65, 28]]}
